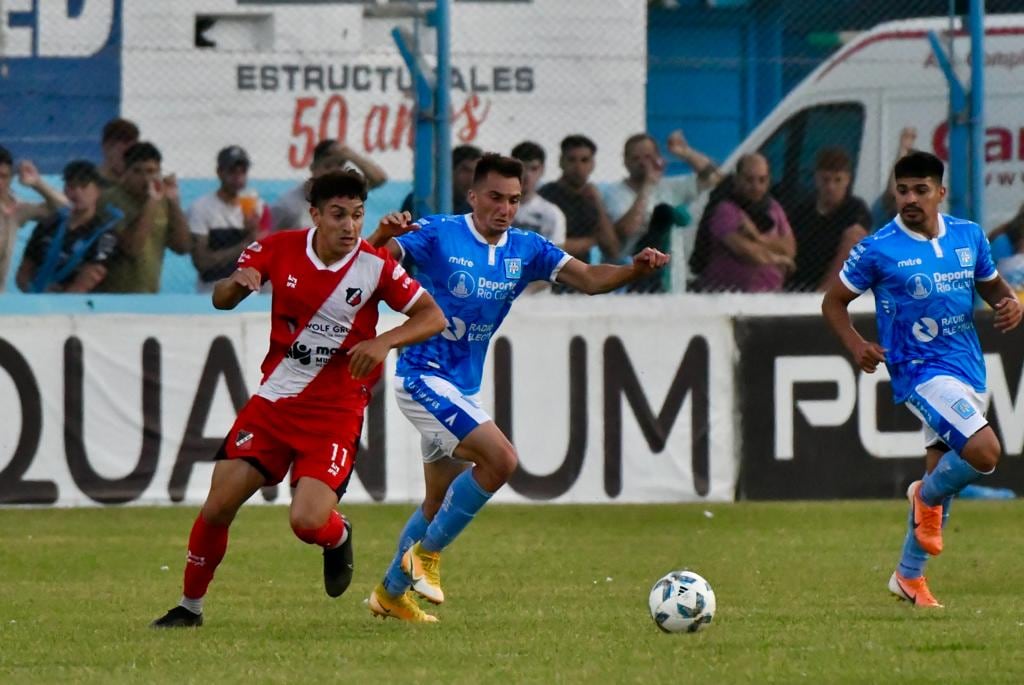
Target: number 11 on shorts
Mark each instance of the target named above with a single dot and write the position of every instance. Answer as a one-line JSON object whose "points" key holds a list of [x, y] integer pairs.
{"points": [[335, 466]]}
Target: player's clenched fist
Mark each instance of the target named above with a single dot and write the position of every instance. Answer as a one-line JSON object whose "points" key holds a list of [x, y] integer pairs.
{"points": [[365, 355], [650, 259], [247, 277], [868, 356], [1008, 314]]}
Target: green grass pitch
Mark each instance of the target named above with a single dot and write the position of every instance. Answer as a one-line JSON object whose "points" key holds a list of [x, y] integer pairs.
{"points": [[536, 594]]}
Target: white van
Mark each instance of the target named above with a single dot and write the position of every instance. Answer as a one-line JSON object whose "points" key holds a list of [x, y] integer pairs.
{"points": [[884, 80]]}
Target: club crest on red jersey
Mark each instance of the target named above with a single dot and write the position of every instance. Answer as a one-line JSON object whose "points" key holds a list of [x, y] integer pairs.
{"points": [[354, 296]]}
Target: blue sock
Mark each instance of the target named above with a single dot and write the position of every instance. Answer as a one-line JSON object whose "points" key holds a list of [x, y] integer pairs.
{"points": [[914, 559], [396, 582], [948, 477], [465, 497]]}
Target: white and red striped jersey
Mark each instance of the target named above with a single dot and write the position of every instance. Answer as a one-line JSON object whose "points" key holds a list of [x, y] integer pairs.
{"points": [[319, 312]]}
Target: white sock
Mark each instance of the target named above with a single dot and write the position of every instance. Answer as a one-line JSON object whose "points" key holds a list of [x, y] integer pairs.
{"points": [[342, 539], [193, 605]]}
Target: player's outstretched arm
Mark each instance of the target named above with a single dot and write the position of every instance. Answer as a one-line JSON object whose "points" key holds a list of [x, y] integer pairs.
{"points": [[835, 309], [425, 321], [1004, 302], [228, 292], [594, 279]]}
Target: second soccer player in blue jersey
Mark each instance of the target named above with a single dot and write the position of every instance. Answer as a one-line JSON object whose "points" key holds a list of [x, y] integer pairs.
{"points": [[475, 265], [924, 268]]}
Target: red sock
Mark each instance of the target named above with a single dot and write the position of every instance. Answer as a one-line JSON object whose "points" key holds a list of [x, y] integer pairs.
{"points": [[328, 535], [206, 546]]}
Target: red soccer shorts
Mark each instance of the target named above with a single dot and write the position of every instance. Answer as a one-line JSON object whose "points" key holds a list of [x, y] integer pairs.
{"points": [[315, 443]]}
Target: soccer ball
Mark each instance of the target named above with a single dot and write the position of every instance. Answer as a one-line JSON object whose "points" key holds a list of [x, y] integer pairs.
{"points": [[682, 602]]}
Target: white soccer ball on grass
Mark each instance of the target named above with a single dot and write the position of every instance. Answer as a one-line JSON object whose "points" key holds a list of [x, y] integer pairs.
{"points": [[682, 602]]}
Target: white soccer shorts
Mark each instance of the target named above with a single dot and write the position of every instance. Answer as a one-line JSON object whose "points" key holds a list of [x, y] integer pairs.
{"points": [[952, 411], [439, 411]]}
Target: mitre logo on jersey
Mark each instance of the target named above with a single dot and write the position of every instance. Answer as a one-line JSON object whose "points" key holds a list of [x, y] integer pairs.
{"points": [[300, 353], [513, 267], [353, 296]]}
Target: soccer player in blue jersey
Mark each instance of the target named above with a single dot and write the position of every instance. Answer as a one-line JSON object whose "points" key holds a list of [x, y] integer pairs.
{"points": [[923, 268], [475, 265]]}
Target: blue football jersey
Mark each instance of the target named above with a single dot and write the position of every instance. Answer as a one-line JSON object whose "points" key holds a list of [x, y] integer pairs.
{"points": [[924, 299], [474, 283]]}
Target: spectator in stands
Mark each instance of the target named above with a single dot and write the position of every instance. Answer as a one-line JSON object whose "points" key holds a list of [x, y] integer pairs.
{"points": [[464, 159], [535, 213], [69, 249], [586, 222], [222, 224], [827, 224], [884, 208], [748, 241], [631, 202], [1011, 263], [118, 135], [13, 213], [292, 208], [153, 220]]}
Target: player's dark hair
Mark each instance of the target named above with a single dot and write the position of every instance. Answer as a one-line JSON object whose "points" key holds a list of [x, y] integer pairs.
{"points": [[636, 138], [461, 153], [528, 151], [499, 164], [5, 156], [919, 164], [336, 184], [142, 152], [833, 159], [80, 172], [121, 130], [578, 140]]}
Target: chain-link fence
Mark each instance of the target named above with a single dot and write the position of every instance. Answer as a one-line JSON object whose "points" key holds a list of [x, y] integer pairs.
{"points": [[277, 78], [826, 92], [830, 95]]}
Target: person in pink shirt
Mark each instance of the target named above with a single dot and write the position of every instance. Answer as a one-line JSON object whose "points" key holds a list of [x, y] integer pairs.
{"points": [[751, 245]]}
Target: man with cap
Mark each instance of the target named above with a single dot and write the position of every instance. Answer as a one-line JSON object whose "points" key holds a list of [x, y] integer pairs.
{"points": [[291, 210], [225, 221]]}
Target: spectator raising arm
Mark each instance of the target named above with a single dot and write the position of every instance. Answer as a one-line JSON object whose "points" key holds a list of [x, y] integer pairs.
{"points": [[29, 177], [708, 175], [373, 173]]}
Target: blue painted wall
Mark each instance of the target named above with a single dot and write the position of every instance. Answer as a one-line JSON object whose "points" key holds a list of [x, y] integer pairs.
{"points": [[712, 71], [51, 129]]}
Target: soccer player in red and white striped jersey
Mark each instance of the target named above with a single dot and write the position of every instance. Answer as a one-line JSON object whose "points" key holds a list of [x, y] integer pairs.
{"points": [[324, 358]]}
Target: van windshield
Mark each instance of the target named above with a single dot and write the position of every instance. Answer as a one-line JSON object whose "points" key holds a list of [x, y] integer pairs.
{"points": [[793, 147]]}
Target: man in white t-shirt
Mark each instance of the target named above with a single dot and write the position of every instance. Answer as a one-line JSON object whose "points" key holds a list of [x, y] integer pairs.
{"points": [[630, 202], [291, 209], [535, 213], [221, 225]]}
